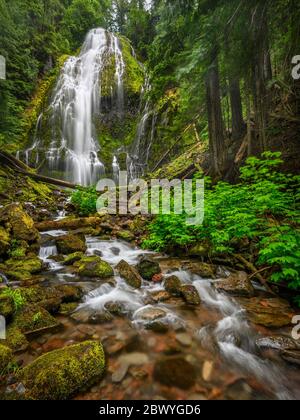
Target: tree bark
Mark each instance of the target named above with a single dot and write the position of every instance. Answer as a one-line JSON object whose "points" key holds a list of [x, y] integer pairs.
{"points": [[215, 120], [238, 124]]}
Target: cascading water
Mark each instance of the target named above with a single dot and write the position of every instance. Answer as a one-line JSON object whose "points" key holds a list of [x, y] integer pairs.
{"points": [[73, 153]]}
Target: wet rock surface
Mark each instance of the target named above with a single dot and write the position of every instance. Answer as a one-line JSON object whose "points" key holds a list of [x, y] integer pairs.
{"points": [[237, 284]]}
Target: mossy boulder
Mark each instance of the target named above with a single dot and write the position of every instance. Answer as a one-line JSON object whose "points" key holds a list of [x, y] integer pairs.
{"points": [[204, 270], [67, 308], [19, 223], [51, 297], [126, 235], [175, 372], [61, 374], [69, 244], [93, 267], [7, 306], [190, 295], [22, 269], [73, 258], [4, 241], [148, 268], [129, 274], [34, 319], [15, 339], [6, 357], [173, 285]]}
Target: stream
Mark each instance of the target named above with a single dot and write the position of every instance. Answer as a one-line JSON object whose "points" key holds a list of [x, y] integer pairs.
{"points": [[214, 338]]}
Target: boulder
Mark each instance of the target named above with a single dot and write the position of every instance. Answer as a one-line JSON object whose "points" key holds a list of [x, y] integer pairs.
{"points": [[272, 313], [19, 223], [199, 250], [173, 285], [204, 270], [129, 274], [7, 305], [126, 235], [160, 296], [94, 267], [175, 372], [73, 258], [61, 374], [115, 308], [6, 357], [4, 241], [15, 339], [190, 295], [237, 284], [148, 268], [69, 244], [151, 314], [291, 356], [279, 342], [33, 319]]}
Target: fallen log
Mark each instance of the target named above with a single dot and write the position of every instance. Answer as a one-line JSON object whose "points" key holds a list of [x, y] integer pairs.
{"points": [[68, 224], [20, 167]]}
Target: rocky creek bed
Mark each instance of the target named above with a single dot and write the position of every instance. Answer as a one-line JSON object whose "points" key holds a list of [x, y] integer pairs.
{"points": [[92, 316]]}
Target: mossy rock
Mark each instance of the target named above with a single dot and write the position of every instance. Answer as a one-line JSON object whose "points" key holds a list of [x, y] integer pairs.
{"points": [[61, 374], [4, 241], [26, 265], [19, 222], [148, 268], [95, 267], [73, 258], [69, 244], [126, 235], [129, 274], [34, 319], [7, 306], [173, 285], [51, 298], [190, 295], [6, 357], [16, 340], [67, 308]]}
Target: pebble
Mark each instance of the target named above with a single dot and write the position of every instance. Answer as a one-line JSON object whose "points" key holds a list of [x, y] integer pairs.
{"points": [[120, 373], [134, 359], [184, 339], [207, 370]]}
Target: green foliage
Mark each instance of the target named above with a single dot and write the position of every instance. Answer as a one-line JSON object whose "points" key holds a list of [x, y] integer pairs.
{"points": [[16, 295], [85, 199], [262, 212]]}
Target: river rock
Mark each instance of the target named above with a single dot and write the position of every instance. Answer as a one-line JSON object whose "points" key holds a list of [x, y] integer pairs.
{"points": [[134, 359], [277, 343], [33, 319], [148, 268], [173, 285], [184, 339], [100, 317], [19, 223], [73, 258], [272, 313], [115, 308], [126, 235], [157, 327], [6, 357], [291, 356], [94, 267], [7, 305], [237, 284], [129, 274], [69, 244], [22, 269], [190, 295], [60, 374], [151, 314], [204, 270], [4, 241], [175, 372], [160, 296]]}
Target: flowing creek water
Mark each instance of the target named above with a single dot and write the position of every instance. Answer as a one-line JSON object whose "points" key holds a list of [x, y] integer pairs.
{"points": [[215, 337]]}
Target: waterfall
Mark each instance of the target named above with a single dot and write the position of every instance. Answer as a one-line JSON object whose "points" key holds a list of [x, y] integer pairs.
{"points": [[74, 149], [138, 157]]}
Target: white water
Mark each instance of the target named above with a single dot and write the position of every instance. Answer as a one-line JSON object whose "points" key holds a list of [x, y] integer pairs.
{"points": [[74, 150]]}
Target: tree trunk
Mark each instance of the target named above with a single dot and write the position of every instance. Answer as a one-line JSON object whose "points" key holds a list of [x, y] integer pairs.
{"points": [[238, 124], [215, 120]]}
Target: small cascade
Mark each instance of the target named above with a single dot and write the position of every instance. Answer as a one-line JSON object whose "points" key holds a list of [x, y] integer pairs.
{"points": [[3, 278], [138, 157], [116, 169], [73, 153]]}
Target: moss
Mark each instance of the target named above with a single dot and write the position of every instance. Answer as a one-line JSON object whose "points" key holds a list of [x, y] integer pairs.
{"points": [[19, 223], [27, 265], [129, 274], [95, 267], [61, 374], [6, 357], [67, 308], [69, 244], [33, 318], [7, 306], [148, 268], [134, 73], [108, 79], [73, 258], [126, 235], [4, 241], [15, 339]]}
